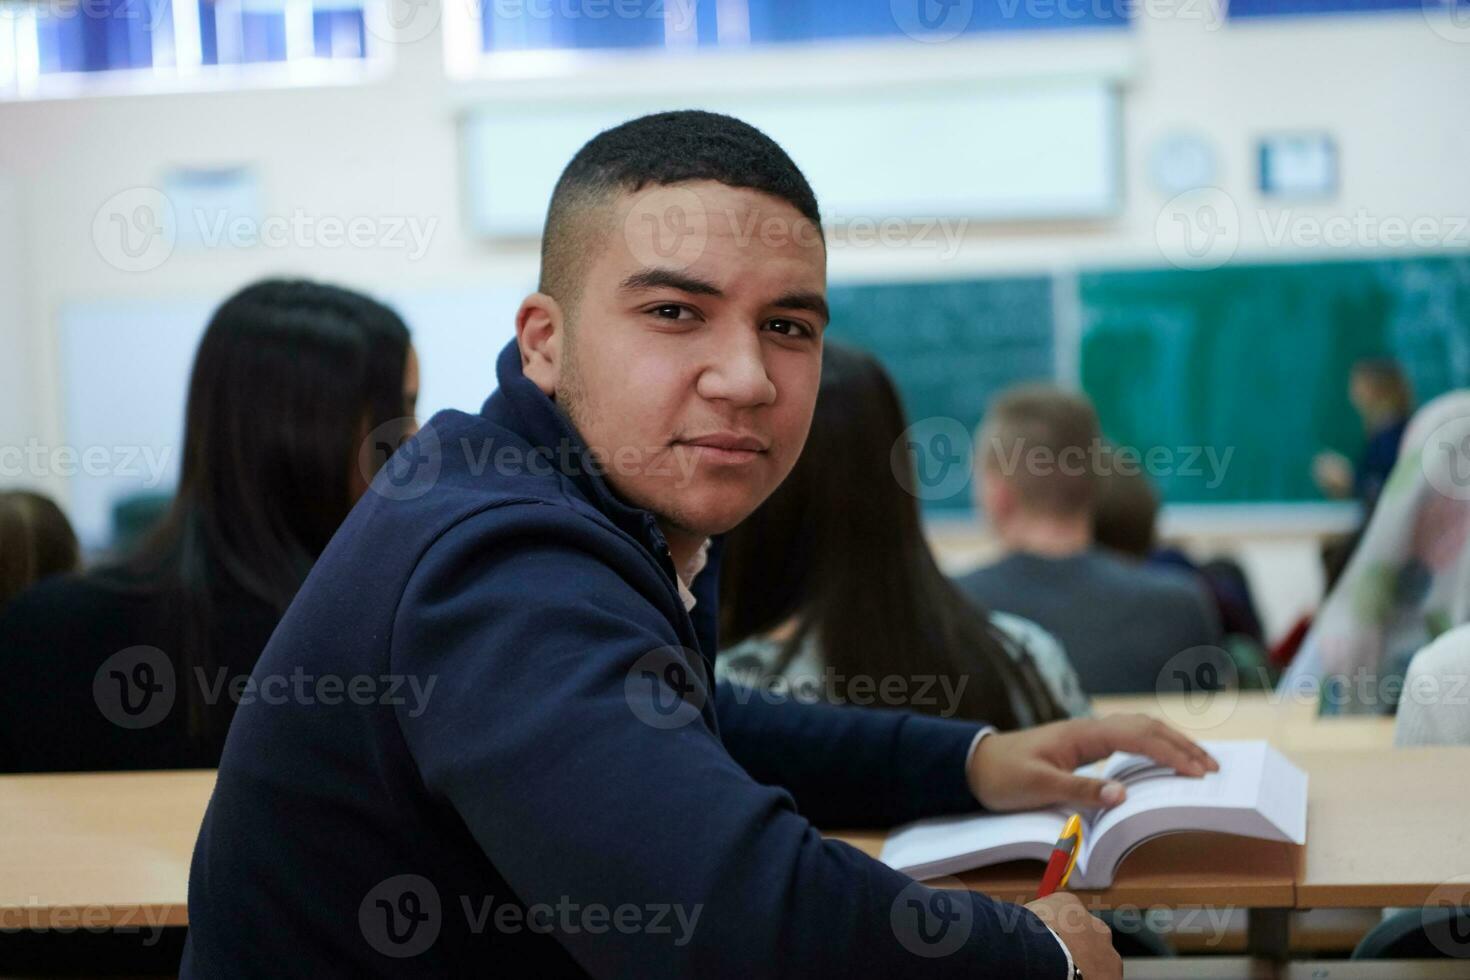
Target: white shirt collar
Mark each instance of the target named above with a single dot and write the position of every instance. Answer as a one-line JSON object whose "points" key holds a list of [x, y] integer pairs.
{"points": [[685, 576]]}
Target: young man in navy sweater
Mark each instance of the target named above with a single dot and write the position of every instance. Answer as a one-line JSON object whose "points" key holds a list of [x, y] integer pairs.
{"points": [[483, 740]]}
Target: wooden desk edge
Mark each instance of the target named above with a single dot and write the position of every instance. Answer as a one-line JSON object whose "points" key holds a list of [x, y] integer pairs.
{"points": [[25, 918]]}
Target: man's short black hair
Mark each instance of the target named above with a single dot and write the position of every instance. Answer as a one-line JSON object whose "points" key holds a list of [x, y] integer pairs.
{"points": [[663, 148]]}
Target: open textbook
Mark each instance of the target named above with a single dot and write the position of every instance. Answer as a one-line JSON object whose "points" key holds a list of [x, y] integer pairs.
{"points": [[1256, 793]]}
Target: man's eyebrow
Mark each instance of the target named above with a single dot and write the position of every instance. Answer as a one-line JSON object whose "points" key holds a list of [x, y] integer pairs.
{"points": [[670, 279], [812, 302]]}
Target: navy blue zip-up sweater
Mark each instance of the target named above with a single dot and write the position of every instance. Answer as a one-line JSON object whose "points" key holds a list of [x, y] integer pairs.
{"points": [[480, 744]]}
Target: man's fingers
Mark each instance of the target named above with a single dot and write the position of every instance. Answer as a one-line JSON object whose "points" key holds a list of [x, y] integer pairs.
{"points": [[1153, 738], [1082, 791]]}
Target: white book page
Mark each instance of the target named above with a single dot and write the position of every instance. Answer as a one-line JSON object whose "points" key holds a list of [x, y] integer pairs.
{"points": [[947, 845], [1256, 793]]}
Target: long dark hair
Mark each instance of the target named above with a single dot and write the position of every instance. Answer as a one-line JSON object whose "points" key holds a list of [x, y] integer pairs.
{"points": [[288, 379], [36, 540], [839, 548]]}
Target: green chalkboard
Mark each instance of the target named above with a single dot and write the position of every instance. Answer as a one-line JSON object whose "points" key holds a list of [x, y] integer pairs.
{"points": [[1254, 360], [950, 346]]}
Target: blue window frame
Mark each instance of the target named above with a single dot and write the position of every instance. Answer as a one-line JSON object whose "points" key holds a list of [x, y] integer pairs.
{"points": [[94, 36], [1292, 8], [518, 25]]}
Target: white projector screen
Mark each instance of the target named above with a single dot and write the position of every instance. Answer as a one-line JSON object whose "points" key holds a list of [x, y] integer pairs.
{"points": [[1040, 150]]}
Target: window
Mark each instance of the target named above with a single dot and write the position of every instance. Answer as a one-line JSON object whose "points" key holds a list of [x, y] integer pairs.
{"points": [[521, 25], [1270, 8], [50, 47]]}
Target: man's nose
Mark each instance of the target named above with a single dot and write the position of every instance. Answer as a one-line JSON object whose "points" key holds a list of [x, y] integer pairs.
{"points": [[737, 373]]}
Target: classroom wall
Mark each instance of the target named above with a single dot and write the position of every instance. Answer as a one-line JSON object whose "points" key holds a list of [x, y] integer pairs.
{"points": [[1381, 84]]}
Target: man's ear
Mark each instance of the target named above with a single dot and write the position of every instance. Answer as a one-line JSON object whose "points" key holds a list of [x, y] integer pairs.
{"points": [[994, 497], [541, 333]]}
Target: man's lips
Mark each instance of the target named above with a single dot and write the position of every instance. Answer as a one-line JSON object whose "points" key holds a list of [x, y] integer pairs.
{"points": [[727, 447]]}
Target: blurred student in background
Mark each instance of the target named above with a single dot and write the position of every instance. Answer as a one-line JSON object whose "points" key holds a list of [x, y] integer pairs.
{"points": [[1382, 396], [1125, 522], [290, 379], [1037, 462], [36, 541], [1409, 579], [1435, 706], [831, 581]]}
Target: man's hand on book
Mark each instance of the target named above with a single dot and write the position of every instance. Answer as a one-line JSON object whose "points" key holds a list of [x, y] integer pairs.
{"points": [[1034, 767], [1086, 937]]}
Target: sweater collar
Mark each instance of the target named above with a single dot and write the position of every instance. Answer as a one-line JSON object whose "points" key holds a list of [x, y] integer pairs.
{"points": [[521, 406]]}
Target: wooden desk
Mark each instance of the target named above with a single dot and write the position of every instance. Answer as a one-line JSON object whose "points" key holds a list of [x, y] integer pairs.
{"points": [[1287, 723], [98, 849], [1385, 827]]}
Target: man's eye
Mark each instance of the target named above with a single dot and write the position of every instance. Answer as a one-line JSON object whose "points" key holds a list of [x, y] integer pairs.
{"points": [[672, 311], [789, 328]]}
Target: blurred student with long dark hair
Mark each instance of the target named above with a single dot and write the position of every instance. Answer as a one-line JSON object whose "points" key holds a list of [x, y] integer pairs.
{"points": [[36, 541], [831, 582], [137, 665]]}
